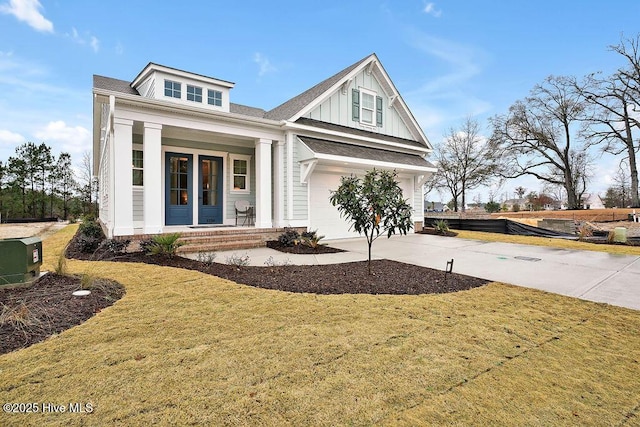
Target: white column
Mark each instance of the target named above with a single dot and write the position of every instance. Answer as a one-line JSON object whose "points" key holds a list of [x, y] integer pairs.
{"points": [[263, 184], [278, 185], [152, 178], [122, 191]]}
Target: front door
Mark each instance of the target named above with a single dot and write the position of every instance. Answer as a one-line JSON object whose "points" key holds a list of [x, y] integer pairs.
{"points": [[210, 185], [179, 191]]}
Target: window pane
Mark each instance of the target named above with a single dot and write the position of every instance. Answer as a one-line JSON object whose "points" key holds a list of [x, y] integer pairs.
{"points": [[137, 158], [137, 177], [239, 182], [367, 116], [367, 101], [240, 167]]}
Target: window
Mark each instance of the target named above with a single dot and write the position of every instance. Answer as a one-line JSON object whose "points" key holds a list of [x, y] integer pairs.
{"points": [[366, 107], [240, 173], [172, 89], [194, 93], [137, 166], [214, 97]]}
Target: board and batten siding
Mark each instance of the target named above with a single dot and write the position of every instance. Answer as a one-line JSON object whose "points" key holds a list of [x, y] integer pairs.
{"points": [[337, 109], [300, 191]]}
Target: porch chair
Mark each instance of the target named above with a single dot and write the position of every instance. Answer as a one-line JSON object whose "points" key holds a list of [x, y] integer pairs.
{"points": [[246, 211]]}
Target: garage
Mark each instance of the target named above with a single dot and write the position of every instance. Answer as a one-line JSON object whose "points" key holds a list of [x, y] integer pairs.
{"points": [[322, 215]]}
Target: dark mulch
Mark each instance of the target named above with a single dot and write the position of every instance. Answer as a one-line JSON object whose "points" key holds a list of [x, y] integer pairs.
{"points": [[31, 314], [302, 249], [389, 277], [433, 231]]}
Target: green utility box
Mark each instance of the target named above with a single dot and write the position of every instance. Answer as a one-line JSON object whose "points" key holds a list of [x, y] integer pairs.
{"points": [[20, 260]]}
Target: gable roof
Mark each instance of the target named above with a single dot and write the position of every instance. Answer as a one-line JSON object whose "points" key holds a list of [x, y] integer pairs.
{"points": [[288, 109]]}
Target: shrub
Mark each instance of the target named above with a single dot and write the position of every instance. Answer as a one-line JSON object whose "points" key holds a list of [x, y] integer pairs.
{"points": [[207, 258], [88, 244], [311, 239], [165, 244], [116, 247], [290, 237], [238, 260], [270, 262], [145, 245], [441, 226], [91, 228]]}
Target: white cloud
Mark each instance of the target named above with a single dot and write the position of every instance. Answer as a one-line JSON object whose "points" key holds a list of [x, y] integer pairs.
{"points": [[264, 64], [90, 40], [11, 138], [28, 11], [430, 9], [70, 139]]}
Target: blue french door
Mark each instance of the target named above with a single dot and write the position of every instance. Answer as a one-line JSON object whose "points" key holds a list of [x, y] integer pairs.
{"points": [[178, 189], [210, 187]]}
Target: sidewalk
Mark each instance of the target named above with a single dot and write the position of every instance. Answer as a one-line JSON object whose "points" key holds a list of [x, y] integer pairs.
{"points": [[593, 276]]}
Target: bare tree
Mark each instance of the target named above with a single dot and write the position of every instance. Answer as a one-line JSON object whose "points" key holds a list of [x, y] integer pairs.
{"points": [[465, 162], [536, 138], [86, 184], [612, 104]]}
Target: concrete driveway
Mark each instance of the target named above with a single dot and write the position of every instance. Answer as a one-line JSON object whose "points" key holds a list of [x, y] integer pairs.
{"points": [[593, 276]]}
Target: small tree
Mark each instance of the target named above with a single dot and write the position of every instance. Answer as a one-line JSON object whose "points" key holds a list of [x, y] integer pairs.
{"points": [[373, 204]]}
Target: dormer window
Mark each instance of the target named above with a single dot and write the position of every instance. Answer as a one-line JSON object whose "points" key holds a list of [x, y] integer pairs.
{"points": [[214, 97], [194, 93], [172, 89]]}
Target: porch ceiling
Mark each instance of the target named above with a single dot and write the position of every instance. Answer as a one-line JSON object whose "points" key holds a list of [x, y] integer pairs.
{"points": [[197, 135]]}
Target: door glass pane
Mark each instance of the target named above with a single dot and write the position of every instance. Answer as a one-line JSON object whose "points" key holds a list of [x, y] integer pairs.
{"points": [[174, 197], [184, 197], [183, 165], [182, 181], [213, 200], [205, 197]]}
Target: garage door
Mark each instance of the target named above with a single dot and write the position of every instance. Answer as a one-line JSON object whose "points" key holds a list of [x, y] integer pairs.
{"points": [[323, 216]]}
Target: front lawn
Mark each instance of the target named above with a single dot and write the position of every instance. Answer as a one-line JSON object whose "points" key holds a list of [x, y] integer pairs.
{"points": [[182, 347]]}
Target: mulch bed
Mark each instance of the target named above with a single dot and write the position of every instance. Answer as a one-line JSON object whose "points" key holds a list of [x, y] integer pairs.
{"points": [[302, 249], [433, 231], [31, 314]]}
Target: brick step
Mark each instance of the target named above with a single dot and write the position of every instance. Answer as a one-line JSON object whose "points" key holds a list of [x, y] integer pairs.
{"points": [[220, 238], [221, 246]]}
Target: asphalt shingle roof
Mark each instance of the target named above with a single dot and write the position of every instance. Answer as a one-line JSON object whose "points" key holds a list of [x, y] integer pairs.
{"points": [[288, 109], [324, 146], [115, 85]]}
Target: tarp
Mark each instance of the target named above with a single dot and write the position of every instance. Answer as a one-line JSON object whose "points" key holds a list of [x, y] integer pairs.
{"points": [[503, 226]]}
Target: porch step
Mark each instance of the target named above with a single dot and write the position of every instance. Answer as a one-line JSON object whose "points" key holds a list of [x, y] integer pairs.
{"points": [[227, 239]]}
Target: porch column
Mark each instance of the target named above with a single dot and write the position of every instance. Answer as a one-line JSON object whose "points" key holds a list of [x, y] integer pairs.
{"points": [[122, 191], [263, 183], [152, 178], [278, 184]]}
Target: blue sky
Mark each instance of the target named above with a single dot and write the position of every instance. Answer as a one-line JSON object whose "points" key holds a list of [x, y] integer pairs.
{"points": [[449, 58]]}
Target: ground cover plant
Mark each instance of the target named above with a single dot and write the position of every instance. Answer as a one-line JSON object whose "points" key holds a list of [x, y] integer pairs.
{"points": [[187, 348]]}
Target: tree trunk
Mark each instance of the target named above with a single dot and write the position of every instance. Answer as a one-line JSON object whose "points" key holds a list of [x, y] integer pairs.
{"points": [[633, 169]]}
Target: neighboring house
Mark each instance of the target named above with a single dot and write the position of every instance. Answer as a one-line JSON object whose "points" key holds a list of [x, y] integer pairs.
{"points": [[592, 201], [171, 150]]}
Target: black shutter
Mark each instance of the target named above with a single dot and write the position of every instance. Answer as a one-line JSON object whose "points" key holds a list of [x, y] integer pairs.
{"points": [[379, 111], [355, 105]]}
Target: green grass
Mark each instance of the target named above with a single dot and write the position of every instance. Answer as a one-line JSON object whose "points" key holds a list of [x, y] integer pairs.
{"points": [[186, 348]]}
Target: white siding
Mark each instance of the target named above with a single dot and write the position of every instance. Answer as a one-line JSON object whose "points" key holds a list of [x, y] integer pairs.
{"points": [[138, 206], [300, 191], [337, 109]]}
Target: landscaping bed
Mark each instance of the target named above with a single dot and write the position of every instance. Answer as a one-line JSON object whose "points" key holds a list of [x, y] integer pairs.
{"points": [[31, 314]]}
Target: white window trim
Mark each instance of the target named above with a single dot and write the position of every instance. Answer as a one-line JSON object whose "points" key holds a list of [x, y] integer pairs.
{"points": [[373, 111], [137, 147], [208, 97], [194, 93], [247, 158], [172, 90]]}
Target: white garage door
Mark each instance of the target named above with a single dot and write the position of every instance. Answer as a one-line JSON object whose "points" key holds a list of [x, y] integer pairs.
{"points": [[323, 216]]}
